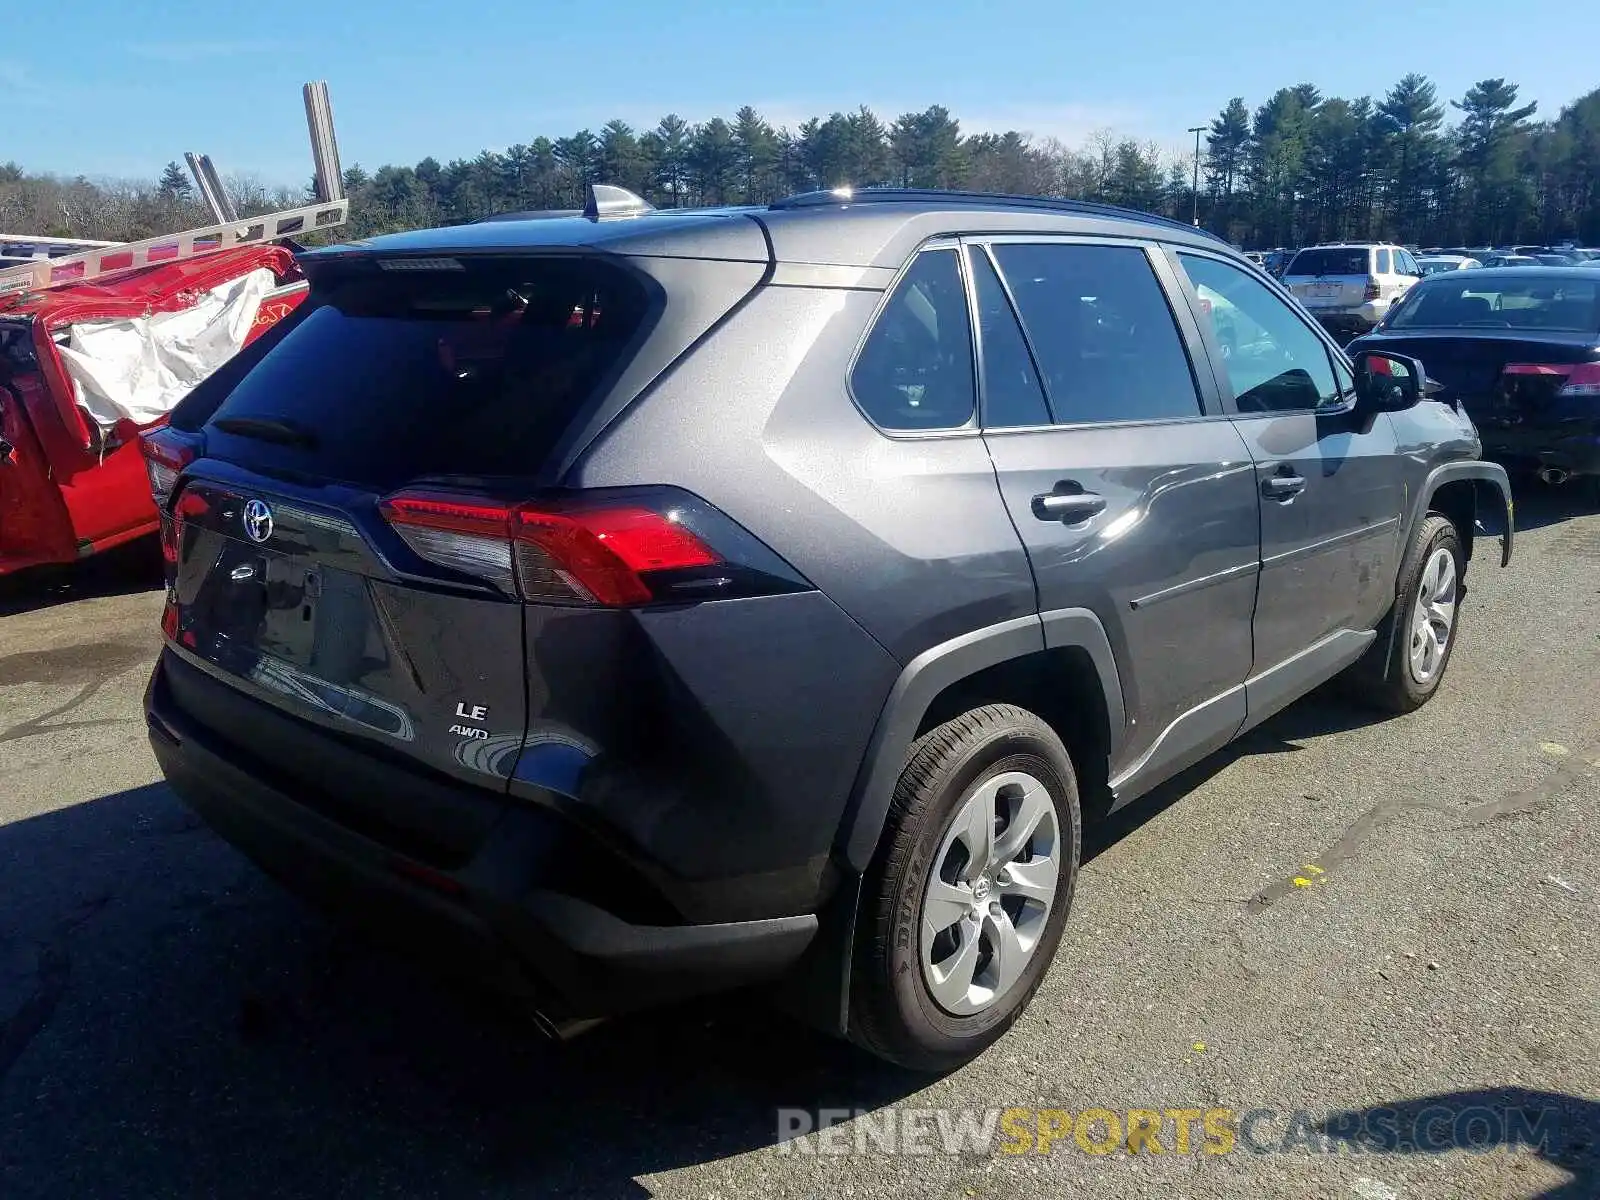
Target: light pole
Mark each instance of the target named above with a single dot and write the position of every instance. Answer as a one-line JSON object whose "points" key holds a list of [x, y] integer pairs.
{"points": [[1197, 130]]}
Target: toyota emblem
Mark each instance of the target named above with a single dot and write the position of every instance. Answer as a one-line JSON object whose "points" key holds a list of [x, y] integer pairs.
{"points": [[257, 520]]}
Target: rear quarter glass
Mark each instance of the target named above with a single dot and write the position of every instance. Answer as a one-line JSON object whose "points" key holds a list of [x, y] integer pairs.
{"points": [[474, 371]]}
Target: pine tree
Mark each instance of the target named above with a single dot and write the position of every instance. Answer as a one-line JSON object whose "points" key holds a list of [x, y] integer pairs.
{"points": [[1492, 136], [174, 183], [1407, 123], [758, 153]]}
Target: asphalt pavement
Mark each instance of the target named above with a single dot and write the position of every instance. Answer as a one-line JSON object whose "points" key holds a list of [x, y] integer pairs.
{"points": [[1393, 918]]}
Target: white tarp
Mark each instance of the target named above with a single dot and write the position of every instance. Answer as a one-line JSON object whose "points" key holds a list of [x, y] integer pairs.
{"points": [[140, 367]]}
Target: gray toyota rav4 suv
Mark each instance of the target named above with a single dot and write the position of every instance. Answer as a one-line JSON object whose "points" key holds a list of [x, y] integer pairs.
{"points": [[622, 605]]}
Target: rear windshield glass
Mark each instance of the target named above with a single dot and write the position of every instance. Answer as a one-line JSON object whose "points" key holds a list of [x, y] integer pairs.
{"points": [[1329, 261], [471, 371], [1466, 299]]}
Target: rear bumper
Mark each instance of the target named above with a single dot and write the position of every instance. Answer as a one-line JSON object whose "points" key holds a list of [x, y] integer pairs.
{"points": [[490, 919], [1350, 320], [1570, 446]]}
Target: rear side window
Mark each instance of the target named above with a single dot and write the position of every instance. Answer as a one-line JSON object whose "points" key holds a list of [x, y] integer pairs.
{"points": [[1383, 262], [474, 371], [1330, 260], [915, 369], [1101, 329], [1012, 394]]}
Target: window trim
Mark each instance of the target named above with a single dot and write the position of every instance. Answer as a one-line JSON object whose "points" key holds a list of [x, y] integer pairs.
{"points": [[1224, 385], [971, 427], [970, 248], [1209, 404]]}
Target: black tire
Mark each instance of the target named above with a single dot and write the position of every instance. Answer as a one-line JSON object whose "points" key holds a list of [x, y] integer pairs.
{"points": [[893, 1014], [1382, 678]]}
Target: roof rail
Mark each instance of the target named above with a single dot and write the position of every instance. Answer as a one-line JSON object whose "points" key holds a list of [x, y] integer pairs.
{"points": [[893, 195]]}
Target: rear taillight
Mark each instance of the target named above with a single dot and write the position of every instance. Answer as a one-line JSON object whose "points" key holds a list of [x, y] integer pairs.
{"points": [[165, 457], [190, 504], [1578, 379], [473, 538], [1374, 290], [618, 554], [602, 556]]}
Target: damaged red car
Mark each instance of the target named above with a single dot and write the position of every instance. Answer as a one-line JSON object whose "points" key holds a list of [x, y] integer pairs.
{"points": [[85, 367]]}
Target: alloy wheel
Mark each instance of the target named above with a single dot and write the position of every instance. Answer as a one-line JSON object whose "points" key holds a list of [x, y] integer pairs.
{"points": [[990, 892]]}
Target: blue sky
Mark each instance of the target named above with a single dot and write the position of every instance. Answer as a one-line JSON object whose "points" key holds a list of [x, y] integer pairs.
{"points": [[119, 87]]}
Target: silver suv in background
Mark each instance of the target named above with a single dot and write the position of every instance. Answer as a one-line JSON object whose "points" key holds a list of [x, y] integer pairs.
{"points": [[1350, 287]]}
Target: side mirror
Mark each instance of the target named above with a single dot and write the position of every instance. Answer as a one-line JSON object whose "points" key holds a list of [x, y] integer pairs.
{"points": [[1386, 382]]}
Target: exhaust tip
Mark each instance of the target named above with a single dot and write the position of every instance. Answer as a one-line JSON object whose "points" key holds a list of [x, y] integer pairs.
{"points": [[1554, 476], [563, 1030]]}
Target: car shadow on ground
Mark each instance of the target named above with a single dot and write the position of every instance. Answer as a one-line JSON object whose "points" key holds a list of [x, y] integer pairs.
{"points": [[1562, 1130], [1322, 712], [121, 571], [173, 1024]]}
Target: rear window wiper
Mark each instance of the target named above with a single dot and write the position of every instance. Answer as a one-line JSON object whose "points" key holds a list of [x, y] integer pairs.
{"points": [[268, 429]]}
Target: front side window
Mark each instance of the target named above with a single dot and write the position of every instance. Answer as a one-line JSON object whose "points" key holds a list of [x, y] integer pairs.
{"points": [[1101, 331], [915, 369], [1272, 361]]}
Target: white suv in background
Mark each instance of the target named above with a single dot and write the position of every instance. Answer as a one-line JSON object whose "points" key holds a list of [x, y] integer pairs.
{"points": [[1350, 286]]}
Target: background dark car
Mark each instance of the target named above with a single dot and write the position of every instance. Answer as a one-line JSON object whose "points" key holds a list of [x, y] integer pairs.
{"points": [[1519, 348]]}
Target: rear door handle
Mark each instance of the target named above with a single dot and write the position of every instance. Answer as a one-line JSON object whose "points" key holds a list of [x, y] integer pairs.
{"points": [[1068, 507], [1282, 487]]}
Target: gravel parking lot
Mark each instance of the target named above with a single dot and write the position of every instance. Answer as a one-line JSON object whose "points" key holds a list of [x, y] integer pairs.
{"points": [[1339, 914]]}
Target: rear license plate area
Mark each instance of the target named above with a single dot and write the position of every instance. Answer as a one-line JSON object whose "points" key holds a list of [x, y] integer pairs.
{"points": [[266, 600]]}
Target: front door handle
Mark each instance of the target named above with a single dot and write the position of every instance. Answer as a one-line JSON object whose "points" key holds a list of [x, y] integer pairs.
{"points": [[1282, 487], [1068, 506]]}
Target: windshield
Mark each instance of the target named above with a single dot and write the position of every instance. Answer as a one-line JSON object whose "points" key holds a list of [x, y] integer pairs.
{"points": [[1330, 260], [1468, 300]]}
